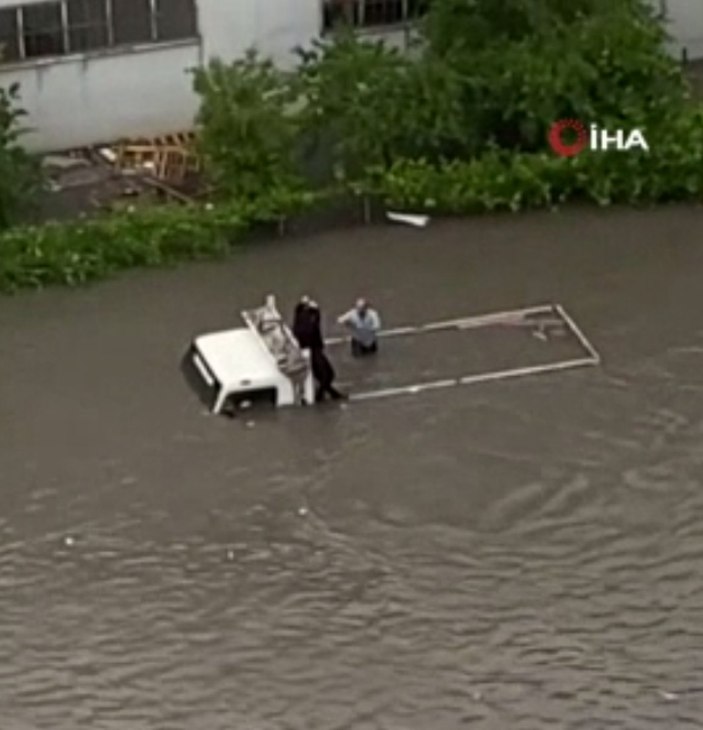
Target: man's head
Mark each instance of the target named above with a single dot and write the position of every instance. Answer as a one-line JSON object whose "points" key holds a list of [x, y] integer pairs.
{"points": [[362, 306]]}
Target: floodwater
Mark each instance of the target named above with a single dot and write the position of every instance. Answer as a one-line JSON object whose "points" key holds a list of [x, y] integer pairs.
{"points": [[523, 554]]}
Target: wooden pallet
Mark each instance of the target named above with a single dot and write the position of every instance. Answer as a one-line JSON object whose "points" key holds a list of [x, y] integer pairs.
{"points": [[169, 158]]}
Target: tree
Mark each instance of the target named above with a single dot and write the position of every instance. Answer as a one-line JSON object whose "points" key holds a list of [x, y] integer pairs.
{"points": [[526, 63], [247, 126]]}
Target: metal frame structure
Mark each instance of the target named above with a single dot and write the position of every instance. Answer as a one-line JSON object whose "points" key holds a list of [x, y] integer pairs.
{"points": [[509, 318]]}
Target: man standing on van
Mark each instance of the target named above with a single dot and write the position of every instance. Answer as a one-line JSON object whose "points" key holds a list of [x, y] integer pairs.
{"points": [[364, 323], [307, 329]]}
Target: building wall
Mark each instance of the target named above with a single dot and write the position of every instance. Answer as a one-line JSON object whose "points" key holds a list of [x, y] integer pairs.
{"points": [[230, 27], [103, 96], [72, 103], [685, 25]]}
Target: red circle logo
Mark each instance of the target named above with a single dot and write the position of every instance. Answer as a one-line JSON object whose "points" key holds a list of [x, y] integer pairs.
{"points": [[556, 133]]}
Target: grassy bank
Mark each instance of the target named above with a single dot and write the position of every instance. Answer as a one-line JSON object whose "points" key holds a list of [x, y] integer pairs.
{"points": [[80, 252]]}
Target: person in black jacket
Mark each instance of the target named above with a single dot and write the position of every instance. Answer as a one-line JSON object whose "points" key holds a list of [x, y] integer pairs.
{"points": [[307, 328], [306, 325]]}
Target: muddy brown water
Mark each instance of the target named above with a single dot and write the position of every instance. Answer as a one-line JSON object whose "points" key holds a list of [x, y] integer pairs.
{"points": [[523, 554]]}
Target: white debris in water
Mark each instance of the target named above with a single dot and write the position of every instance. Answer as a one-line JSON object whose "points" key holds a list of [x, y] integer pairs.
{"points": [[418, 221], [668, 696], [244, 405], [250, 424], [68, 541], [476, 696], [230, 555], [303, 511]]}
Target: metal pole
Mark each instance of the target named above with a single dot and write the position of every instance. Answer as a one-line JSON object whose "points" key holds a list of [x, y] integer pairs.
{"points": [[474, 379], [506, 317], [579, 334]]}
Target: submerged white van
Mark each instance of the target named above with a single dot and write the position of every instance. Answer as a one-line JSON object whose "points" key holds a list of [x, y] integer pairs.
{"points": [[261, 361]]}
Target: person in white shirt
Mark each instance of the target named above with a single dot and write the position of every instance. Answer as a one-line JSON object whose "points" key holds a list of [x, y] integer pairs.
{"points": [[364, 323]]}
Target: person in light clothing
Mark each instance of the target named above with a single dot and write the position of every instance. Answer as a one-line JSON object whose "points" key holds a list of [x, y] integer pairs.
{"points": [[364, 323]]}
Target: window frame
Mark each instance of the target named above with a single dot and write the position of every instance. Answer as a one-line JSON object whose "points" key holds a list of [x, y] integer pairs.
{"points": [[19, 50], [86, 26], [359, 14], [26, 33]]}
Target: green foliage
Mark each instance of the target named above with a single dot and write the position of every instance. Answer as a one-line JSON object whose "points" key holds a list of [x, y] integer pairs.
{"points": [[247, 126], [500, 180], [352, 93], [526, 63], [377, 104], [489, 76], [460, 28], [488, 73], [19, 172], [76, 253]]}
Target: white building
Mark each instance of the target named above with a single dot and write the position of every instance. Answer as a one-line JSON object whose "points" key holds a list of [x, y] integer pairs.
{"points": [[93, 71]]}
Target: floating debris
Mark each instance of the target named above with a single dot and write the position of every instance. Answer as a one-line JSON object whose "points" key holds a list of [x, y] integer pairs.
{"points": [[668, 696], [418, 221], [68, 541]]}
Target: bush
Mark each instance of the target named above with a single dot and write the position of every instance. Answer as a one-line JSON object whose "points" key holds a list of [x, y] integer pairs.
{"points": [[247, 127], [76, 253], [351, 91], [19, 172], [501, 180], [377, 104], [526, 63]]}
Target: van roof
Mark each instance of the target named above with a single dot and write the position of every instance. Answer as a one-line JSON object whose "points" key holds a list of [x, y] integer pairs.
{"points": [[238, 356]]}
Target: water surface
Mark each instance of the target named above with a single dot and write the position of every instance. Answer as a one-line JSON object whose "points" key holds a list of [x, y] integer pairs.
{"points": [[517, 555]]}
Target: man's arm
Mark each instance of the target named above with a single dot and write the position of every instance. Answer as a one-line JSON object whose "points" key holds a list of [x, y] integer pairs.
{"points": [[346, 318]]}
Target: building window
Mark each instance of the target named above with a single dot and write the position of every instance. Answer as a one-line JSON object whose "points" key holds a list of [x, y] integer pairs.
{"points": [[9, 36], [88, 26], [42, 30], [61, 27], [132, 21], [371, 13], [175, 19]]}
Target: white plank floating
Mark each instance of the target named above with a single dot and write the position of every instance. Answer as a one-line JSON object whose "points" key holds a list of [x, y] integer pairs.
{"points": [[410, 219]]}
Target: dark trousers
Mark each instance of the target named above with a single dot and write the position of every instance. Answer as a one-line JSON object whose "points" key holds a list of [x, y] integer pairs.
{"points": [[359, 350], [324, 374]]}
